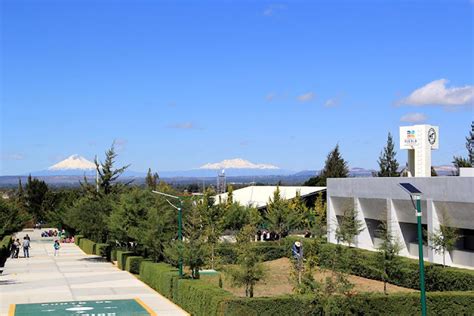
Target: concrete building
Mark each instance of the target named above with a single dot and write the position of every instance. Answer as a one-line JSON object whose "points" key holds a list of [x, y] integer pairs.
{"points": [[379, 199]]}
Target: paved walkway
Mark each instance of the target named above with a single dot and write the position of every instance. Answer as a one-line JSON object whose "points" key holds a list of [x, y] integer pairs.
{"points": [[71, 276]]}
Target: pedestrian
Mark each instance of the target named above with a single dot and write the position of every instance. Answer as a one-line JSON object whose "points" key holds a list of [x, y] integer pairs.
{"points": [[28, 237], [259, 235], [17, 247], [26, 247], [56, 247]]}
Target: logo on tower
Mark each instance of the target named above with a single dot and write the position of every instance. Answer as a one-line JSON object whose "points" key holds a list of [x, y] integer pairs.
{"points": [[432, 136]]}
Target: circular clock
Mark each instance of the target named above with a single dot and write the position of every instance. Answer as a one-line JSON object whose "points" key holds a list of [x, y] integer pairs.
{"points": [[432, 136]]}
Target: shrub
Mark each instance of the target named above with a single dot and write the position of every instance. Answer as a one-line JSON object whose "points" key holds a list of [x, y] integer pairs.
{"points": [[103, 250], [200, 298], [133, 263], [5, 249], [159, 276], [113, 255], [122, 258], [87, 245], [77, 239]]}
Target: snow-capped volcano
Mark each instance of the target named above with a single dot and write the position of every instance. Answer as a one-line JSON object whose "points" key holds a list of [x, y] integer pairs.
{"points": [[73, 162], [237, 163]]}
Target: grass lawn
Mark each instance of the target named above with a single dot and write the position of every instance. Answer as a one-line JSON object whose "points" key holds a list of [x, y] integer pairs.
{"points": [[278, 281]]}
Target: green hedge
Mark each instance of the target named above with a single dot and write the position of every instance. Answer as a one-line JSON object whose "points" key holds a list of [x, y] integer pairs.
{"points": [[5, 249], [438, 303], [113, 255], [132, 264], [159, 276], [269, 250], [103, 250], [77, 239], [87, 245], [122, 258]]}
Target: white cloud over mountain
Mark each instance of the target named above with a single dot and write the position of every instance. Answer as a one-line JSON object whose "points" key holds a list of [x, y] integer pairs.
{"points": [[237, 163], [73, 162], [436, 93]]}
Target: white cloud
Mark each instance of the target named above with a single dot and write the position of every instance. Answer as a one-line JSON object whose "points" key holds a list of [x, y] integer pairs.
{"points": [[271, 10], [330, 103], [413, 118], [120, 143], [306, 97], [184, 125], [436, 93]]}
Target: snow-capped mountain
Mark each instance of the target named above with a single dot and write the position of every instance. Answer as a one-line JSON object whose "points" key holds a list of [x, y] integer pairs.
{"points": [[73, 162], [236, 163]]}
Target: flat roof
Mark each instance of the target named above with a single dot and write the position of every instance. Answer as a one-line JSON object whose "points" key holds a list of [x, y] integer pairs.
{"points": [[258, 196]]}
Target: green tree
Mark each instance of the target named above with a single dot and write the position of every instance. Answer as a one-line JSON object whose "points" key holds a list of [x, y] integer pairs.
{"points": [[11, 218], [299, 211], [320, 206], [444, 238], [36, 191], [151, 179], [20, 194], [349, 226], [433, 172], [334, 167], [387, 259], [213, 214], [250, 269], [108, 175], [470, 145], [388, 164], [279, 216], [460, 162]]}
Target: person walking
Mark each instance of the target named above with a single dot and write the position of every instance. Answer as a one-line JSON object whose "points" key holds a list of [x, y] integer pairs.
{"points": [[13, 249], [56, 247], [26, 247], [17, 247], [28, 237]]}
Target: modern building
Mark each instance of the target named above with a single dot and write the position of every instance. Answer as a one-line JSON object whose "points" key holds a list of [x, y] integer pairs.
{"points": [[259, 196]]}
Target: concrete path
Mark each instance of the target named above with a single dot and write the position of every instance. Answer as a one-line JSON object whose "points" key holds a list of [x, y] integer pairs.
{"points": [[71, 276]]}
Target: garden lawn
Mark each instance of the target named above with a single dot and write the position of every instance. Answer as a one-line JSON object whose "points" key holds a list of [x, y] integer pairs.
{"points": [[278, 281]]}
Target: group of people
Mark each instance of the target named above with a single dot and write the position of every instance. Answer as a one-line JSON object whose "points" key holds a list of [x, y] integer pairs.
{"points": [[17, 245], [266, 235]]}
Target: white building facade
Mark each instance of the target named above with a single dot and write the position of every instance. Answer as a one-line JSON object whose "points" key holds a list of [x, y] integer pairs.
{"points": [[382, 199]]}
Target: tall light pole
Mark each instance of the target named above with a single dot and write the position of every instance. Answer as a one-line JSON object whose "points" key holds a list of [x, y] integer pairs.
{"points": [[415, 194], [180, 224]]}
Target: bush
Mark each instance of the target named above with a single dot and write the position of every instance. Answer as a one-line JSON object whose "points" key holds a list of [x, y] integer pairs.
{"points": [[159, 276], [113, 255], [77, 239], [87, 245], [122, 258], [133, 263], [5, 249], [200, 298], [269, 250], [103, 250]]}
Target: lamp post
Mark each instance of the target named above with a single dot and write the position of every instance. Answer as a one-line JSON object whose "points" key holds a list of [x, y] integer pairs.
{"points": [[415, 194], [180, 224]]}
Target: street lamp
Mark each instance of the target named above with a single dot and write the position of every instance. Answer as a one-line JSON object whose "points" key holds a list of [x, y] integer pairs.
{"points": [[415, 194], [180, 224]]}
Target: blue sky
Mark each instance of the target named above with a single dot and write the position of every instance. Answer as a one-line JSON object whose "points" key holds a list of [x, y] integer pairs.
{"points": [[181, 83]]}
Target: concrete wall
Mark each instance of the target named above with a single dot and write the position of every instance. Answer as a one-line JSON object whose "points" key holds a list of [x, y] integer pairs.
{"points": [[378, 199]]}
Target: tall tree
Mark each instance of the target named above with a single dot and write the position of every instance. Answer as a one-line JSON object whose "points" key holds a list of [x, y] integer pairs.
{"points": [[151, 179], [35, 194], [11, 218], [445, 237], [213, 215], [108, 175], [349, 227], [470, 145], [388, 261], [279, 216], [334, 167], [249, 270], [388, 164]]}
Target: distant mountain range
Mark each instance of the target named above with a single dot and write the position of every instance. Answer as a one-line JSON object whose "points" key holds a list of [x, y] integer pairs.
{"points": [[71, 170]]}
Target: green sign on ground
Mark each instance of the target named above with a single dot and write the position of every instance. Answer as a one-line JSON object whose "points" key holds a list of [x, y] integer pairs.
{"points": [[133, 307]]}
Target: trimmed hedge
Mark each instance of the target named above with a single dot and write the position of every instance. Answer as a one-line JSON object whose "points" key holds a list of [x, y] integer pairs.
{"points": [[77, 239], [5, 249], [438, 303], [159, 276], [132, 264], [102, 250], [122, 258], [87, 245]]}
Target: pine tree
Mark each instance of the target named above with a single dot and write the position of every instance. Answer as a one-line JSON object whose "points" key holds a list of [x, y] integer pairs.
{"points": [[387, 162], [444, 239], [349, 227], [280, 218], [20, 194], [470, 145], [388, 261], [335, 166], [151, 180], [35, 194], [107, 174]]}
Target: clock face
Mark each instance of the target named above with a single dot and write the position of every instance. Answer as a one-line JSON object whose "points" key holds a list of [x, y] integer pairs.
{"points": [[432, 136]]}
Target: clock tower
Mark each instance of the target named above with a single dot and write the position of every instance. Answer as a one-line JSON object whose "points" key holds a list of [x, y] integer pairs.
{"points": [[419, 140]]}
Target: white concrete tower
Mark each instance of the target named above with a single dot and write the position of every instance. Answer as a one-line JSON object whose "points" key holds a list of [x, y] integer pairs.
{"points": [[419, 140]]}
